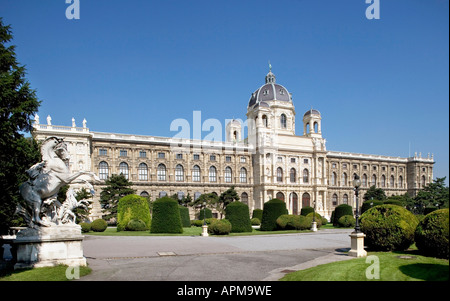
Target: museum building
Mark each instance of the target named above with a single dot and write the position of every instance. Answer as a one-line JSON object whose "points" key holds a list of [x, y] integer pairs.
{"points": [[271, 162]]}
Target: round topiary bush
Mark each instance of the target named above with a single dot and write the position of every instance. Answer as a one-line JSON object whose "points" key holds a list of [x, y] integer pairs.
{"points": [[238, 215], [184, 215], [99, 225], [388, 228], [220, 227], [132, 207], [346, 221], [136, 225], [255, 221], [319, 219], [431, 234], [341, 210], [306, 210], [166, 216], [271, 211], [85, 227]]}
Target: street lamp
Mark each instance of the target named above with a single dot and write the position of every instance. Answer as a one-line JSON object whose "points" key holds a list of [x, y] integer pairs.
{"points": [[204, 213], [314, 224], [357, 184]]}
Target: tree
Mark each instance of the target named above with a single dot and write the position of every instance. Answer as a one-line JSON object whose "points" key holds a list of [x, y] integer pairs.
{"points": [[18, 104], [117, 186], [225, 198], [374, 193], [208, 198], [435, 193]]}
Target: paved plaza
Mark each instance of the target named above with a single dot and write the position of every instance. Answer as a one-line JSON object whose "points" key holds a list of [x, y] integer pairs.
{"points": [[196, 258]]}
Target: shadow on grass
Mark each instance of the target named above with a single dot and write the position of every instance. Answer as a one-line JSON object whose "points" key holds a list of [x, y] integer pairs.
{"points": [[426, 271]]}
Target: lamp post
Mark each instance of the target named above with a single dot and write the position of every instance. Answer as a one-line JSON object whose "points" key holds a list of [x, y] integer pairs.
{"points": [[314, 223], [357, 237], [205, 226], [357, 184]]}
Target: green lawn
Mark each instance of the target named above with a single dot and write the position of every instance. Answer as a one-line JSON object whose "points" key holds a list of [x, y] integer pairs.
{"points": [[57, 273], [391, 268], [188, 231]]}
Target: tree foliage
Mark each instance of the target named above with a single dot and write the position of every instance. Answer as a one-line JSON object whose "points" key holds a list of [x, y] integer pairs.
{"points": [[435, 193], [374, 193], [18, 104], [117, 186]]}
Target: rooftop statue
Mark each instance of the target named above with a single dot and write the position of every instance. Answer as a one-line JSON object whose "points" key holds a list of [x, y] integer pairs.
{"points": [[45, 179]]}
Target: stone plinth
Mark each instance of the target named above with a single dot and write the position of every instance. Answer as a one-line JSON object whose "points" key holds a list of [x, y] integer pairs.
{"points": [[205, 230], [314, 226], [357, 245], [49, 246]]}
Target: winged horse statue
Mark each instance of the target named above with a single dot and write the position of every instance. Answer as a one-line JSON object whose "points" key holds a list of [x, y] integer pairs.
{"points": [[45, 180]]}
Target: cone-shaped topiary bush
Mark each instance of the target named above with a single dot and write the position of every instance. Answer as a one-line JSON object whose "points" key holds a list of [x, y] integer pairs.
{"points": [[166, 216], [431, 234], [238, 215], [388, 228], [184, 215], [271, 211]]}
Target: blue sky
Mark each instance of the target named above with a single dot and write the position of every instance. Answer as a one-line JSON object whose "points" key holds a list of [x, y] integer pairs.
{"points": [[134, 66]]}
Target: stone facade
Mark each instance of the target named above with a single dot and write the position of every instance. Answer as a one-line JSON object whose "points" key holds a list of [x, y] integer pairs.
{"points": [[271, 162]]}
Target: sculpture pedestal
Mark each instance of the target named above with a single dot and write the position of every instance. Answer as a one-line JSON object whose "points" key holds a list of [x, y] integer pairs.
{"points": [[49, 246], [205, 230], [314, 226], [357, 245]]}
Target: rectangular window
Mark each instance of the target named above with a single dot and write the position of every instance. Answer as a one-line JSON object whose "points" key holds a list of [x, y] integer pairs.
{"points": [[212, 158], [161, 155], [280, 159], [292, 160], [196, 157], [102, 152], [142, 154], [179, 156], [123, 153], [306, 161], [227, 159], [243, 159]]}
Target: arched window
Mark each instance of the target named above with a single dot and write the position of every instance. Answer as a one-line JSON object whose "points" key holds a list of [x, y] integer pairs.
{"points": [[333, 179], [123, 169], [334, 199], [162, 194], [179, 173], [391, 182], [243, 175], [400, 182], [280, 196], [143, 172], [293, 175], [283, 121], [422, 182], [305, 175], [103, 170], [344, 179], [180, 195], [227, 174], [374, 180], [264, 120], [345, 199], [144, 194], [279, 175], [293, 200], [383, 181], [197, 195], [161, 172], [316, 127], [244, 198], [306, 200], [364, 180], [196, 173], [212, 174]]}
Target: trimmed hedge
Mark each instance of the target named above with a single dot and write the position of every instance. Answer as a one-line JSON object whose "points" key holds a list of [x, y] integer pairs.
{"points": [[388, 228], [184, 215], [255, 221], [207, 212], [132, 207], [238, 215], [85, 227], [319, 219], [271, 211], [347, 221], [341, 210], [220, 227], [306, 210], [431, 234], [136, 225], [366, 205], [99, 225], [166, 216], [293, 222], [257, 213]]}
